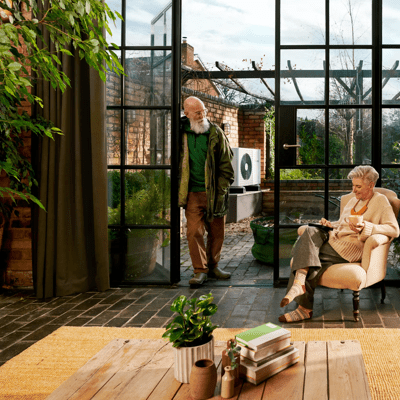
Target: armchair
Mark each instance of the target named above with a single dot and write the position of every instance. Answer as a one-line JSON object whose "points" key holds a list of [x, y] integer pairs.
{"points": [[371, 269]]}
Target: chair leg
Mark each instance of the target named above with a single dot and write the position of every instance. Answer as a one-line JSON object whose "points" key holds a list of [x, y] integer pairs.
{"points": [[383, 291], [356, 304]]}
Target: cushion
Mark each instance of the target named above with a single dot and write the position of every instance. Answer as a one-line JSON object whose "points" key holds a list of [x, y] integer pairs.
{"points": [[344, 276]]}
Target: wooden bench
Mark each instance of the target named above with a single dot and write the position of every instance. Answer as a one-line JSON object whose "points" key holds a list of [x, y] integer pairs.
{"points": [[143, 370]]}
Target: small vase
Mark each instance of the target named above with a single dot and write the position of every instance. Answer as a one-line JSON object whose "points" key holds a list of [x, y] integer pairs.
{"points": [[226, 362], [203, 379], [228, 384]]}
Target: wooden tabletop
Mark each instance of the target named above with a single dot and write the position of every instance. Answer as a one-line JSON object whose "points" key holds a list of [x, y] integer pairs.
{"points": [[139, 369]]}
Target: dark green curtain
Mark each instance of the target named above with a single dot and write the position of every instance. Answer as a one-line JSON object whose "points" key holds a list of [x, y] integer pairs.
{"points": [[70, 243]]}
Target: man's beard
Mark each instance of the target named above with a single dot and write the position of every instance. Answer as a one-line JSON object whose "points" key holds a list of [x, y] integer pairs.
{"points": [[200, 126]]}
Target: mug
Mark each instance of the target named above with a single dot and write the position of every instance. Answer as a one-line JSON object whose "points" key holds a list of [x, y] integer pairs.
{"points": [[355, 219]]}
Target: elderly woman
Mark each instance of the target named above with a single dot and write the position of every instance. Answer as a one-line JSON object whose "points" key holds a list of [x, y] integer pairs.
{"points": [[316, 250]]}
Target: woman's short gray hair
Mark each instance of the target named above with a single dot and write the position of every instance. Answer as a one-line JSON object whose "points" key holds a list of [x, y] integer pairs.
{"points": [[364, 172]]}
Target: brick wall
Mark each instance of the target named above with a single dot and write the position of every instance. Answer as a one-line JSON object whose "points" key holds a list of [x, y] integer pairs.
{"points": [[16, 243]]}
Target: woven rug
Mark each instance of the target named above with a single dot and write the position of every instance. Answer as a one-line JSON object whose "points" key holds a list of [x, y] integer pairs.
{"points": [[39, 370]]}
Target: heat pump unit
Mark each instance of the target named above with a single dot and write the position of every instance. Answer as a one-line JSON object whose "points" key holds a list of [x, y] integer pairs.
{"points": [[247, 166]]}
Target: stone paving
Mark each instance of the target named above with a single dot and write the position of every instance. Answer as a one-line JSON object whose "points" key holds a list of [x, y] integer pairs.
{"points": [[246, 300]]}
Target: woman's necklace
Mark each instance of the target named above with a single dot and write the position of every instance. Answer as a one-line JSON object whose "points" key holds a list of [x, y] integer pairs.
{"points": [[362, 210]]}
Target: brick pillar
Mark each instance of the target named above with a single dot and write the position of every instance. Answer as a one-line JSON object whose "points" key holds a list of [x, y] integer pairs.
{"points": [[252, 134]]}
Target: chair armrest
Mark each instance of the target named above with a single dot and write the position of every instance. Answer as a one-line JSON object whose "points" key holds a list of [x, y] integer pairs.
{"points": [[374, 258]]}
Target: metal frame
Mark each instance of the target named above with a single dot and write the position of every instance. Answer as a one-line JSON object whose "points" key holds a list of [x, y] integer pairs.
{"points": [[174, 109], [376, 106]]}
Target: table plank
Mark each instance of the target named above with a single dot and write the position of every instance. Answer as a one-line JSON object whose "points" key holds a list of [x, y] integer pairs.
{"points": [[347, 375], [289, 383], [141, 378], [76, 381], [166, 388], [316, 377]]}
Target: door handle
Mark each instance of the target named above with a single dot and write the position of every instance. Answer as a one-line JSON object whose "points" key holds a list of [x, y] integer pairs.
{"points": [[288, 146]]}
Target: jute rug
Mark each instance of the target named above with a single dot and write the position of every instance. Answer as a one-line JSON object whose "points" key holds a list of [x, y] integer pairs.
{"points": [[36, 372]]}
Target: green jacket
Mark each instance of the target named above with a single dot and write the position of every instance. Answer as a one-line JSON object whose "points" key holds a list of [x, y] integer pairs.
{"points": [[218, 171]]}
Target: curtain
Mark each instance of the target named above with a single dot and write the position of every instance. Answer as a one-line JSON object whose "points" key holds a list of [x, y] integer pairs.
{"points": [[70, 241]]}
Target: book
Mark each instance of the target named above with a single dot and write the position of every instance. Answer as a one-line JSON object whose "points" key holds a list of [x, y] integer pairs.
{"points": [[262, 336], [265, 352], [274, 364]]}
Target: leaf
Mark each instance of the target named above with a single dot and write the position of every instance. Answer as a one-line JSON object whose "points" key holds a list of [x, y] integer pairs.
{"points": [[87, 7], [14, 66]]}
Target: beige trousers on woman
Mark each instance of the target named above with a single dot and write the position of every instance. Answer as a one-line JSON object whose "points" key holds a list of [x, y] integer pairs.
{"points": [[203, 259]]}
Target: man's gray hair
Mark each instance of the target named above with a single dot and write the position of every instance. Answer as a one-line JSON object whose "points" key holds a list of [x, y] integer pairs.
{"points": [[364, 172]]}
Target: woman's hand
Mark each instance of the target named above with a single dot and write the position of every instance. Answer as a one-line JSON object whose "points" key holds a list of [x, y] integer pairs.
{"points": [[325, 222], [356, 228]]}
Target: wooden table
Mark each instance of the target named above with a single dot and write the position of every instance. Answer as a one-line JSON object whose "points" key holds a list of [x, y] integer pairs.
{"points": [[143, 370]]}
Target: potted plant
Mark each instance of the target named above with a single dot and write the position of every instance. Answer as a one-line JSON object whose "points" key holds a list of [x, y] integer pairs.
{"points": [[191, 333], [147, 203], [231, 358]]}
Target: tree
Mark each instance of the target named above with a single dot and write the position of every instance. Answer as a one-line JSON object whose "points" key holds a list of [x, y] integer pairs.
{"points": [[74, 26]]}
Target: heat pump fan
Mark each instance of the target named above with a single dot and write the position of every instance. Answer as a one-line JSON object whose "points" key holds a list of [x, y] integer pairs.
{"points": [[247, 166]]}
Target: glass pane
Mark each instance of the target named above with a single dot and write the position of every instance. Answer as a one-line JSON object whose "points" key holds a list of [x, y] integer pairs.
{"points": [[149, 78], [113, 86], [148, 255], [161, 28], [113, 134], [148, 137], [391, 76], [145, 19], [350, 77], [243, 32], [148, 197], [302, 76], [351, 22], [310, 130], [391, 136], [287, 239], [390, 22], [298, 26], [350, 136], [301, 196], [115, 27], [114, 196], [339, 185], [391, 180], [114, 253]]}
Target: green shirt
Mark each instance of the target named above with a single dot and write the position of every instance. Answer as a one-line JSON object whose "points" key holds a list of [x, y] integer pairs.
{"points": [[198, 146]]}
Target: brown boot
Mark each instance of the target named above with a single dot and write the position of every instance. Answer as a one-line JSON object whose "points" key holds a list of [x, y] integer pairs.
{"points": [[218, 274]]}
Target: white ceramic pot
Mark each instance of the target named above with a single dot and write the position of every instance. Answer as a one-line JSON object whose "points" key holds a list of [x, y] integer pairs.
{"points": [[185, 357]]}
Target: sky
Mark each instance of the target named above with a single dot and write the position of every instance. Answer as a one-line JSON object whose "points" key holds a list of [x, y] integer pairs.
{"points": [[236, 32]]}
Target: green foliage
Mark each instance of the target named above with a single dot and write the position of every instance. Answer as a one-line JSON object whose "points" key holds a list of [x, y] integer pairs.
{"points": [[192, 326], [147, 200], [74, 26], [294, 174], [232, 352]]}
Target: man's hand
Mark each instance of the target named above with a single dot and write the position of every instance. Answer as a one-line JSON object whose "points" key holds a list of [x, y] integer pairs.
{"points": [[325, 222]]}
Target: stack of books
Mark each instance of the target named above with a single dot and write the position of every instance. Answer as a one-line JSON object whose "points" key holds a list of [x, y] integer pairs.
{"points": [[266, 350]]}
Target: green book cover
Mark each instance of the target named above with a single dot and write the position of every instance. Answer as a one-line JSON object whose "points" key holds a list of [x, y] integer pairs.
{"points": [[261, 335]]}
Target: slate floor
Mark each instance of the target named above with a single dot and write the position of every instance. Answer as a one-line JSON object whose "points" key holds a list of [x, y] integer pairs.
{"points": [[247, 300]]}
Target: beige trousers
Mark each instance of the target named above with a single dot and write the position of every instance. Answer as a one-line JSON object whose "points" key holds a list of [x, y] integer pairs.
{"points": [[203, 258]]}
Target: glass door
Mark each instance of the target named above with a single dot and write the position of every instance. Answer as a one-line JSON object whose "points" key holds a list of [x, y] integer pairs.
{"points": [[328, 111], [142, 112]]}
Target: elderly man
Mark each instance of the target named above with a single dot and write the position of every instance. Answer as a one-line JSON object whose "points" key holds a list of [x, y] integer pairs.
{"points": [[205, 176]]}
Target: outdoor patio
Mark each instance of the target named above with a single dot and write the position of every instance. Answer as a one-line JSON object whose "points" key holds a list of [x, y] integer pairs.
{"points": [[247, 300]]}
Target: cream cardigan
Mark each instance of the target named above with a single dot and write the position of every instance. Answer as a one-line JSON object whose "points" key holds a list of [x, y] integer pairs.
{"points": [[379, 218]]}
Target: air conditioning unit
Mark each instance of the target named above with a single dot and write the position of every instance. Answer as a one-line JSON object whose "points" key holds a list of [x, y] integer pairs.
{"points": [[247, 166]]}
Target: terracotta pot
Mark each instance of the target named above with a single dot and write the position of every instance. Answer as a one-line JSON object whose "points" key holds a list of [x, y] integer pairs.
{"points": [[185, 357], [203, 379], [228, 384]]}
